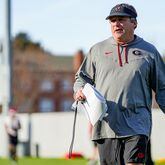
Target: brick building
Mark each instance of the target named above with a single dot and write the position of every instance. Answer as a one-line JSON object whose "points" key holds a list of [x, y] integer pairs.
{"points": [[43, 82]]}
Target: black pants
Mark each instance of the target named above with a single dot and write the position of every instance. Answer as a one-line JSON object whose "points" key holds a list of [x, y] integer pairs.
{"points": [[13, 141], [149, 160], [119, 151]]}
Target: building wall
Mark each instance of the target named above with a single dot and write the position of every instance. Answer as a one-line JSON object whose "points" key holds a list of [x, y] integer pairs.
{"points": [[42, 82]]}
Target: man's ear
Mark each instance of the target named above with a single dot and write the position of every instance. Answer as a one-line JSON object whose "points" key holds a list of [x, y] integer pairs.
{"points": [[135, 23]]}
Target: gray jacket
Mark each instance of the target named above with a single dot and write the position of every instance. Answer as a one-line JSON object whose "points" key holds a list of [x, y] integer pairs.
{"points": [[125, 76]]}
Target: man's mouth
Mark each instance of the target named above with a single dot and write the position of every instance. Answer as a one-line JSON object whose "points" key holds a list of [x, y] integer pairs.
{"points": [[119, 30]]}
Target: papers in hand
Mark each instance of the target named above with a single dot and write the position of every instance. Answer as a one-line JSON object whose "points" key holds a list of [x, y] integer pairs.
{"points": [[95, 106]]}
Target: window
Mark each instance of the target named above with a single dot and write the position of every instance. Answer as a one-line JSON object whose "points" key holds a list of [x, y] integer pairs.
{"points": [[66, 105], [47, 86], [66, 85], [46, 105]]}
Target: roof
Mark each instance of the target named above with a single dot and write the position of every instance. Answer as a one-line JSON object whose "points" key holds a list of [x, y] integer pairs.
{"points": [[44, 61]]}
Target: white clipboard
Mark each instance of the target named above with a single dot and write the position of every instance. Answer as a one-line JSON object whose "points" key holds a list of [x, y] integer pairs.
{"points": [[95, 106]]}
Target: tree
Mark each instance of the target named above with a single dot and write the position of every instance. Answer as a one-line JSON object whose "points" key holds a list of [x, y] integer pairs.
{"points": [[22, 41]]}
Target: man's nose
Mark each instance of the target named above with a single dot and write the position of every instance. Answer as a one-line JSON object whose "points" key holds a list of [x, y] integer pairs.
{"points": [[117, 22]]}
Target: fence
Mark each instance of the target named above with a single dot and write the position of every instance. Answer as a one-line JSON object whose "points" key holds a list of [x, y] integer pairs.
{"points": [[50, 135]]}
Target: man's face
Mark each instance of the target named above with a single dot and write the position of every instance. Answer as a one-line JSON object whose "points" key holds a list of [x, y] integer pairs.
{"points": [[12, 113], [122, 28]]}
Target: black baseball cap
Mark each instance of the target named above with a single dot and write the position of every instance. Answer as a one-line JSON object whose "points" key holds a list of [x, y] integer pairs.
{"points": [[122, 9]]}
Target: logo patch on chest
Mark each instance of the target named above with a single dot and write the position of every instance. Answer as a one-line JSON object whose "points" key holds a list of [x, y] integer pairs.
{"points": [[108, 53], [137, 52]]}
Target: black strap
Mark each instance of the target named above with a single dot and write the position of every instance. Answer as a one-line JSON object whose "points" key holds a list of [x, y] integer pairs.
{"points": [[73, 132]]}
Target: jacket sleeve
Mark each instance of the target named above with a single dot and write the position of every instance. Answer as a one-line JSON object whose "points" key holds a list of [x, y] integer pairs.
{"points": [[158, 81], [86, 72]]}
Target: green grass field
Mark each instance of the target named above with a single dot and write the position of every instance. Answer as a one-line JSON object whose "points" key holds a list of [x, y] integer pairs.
{"points": [[38, 161]]}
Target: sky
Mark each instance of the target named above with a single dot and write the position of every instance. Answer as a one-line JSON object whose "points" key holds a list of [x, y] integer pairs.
{"points": [[63, 27]]}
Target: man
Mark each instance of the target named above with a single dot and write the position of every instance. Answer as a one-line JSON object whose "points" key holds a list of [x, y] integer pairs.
{"points": [[124, 69], [12, 125]]}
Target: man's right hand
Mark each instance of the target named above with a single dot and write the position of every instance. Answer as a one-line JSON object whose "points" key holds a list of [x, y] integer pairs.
{"points": [[79, 96]]}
